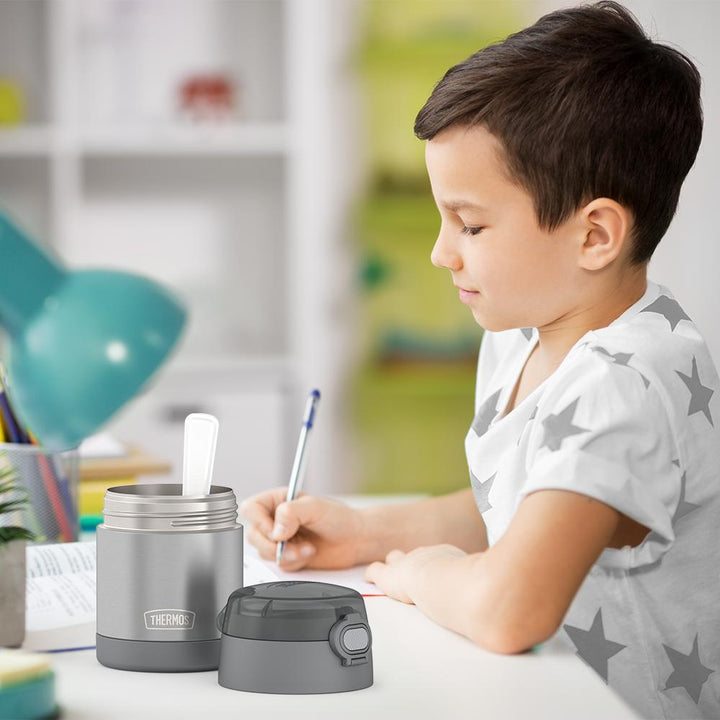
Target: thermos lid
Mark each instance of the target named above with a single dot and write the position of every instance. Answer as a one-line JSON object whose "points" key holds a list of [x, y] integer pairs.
{"points": [[288, 610]]}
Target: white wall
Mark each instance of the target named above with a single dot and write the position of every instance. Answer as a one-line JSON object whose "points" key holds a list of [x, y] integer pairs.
{"points": [[687, 260]]}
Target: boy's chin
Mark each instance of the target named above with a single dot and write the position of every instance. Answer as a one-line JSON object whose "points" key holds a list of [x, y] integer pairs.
{"points": [[496, 324]]}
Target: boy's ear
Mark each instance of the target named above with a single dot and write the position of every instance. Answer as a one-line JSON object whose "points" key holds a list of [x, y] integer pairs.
{"points": [[606, 226]]}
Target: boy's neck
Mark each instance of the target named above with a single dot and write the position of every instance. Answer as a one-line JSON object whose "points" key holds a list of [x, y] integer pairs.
{"points": [[556, 339]]}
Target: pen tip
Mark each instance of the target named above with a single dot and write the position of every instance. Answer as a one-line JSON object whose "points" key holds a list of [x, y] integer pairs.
{"points": [[316, 393]]}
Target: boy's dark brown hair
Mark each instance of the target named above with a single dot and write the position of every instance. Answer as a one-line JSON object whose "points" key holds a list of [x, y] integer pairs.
{"points": [[585, 105]]}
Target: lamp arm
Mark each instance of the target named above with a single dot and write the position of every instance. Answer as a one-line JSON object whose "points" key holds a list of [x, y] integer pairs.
{"points": [[28, 276]]}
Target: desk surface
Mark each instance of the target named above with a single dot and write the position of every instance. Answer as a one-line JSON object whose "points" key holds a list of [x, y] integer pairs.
{"points": [[421, 670]]}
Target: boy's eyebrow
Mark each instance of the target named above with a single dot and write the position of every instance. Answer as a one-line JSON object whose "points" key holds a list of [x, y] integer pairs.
{"points": [[455, 205]]}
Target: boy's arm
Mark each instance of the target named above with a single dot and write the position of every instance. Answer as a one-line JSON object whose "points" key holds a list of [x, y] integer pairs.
{"points": [[515, 594], [452, 519]]}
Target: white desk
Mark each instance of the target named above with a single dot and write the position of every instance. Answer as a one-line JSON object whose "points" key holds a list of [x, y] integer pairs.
{"points": [[421, 671]]}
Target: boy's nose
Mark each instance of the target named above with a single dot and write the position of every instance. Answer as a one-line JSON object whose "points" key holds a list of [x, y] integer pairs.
{"points": [[443, 254]]}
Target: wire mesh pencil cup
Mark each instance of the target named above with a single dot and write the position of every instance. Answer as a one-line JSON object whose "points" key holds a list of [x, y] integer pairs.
{"points": [[50, 483]]}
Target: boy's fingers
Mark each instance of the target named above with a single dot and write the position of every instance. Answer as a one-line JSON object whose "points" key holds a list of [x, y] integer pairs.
{"points": [[373, 572], [290, 516], [266, 547], [296, 556], [260, 509], [255, 514]]}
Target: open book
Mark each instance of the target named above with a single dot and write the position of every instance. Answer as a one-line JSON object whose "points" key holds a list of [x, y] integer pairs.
{"points": [[60, 596], [61, 580]]}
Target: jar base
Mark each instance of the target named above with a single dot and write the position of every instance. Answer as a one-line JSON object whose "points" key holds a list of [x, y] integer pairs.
{"points": [[157, 655]]}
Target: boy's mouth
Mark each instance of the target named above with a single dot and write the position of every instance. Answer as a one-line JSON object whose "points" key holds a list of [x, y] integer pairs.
{"points": [[466, 295]]}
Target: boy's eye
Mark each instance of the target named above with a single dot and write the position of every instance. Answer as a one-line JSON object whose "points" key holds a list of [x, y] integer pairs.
{"points": [[471, 230]]}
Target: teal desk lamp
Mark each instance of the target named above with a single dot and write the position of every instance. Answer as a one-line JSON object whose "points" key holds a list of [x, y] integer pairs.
{"points": [[79, 344]]}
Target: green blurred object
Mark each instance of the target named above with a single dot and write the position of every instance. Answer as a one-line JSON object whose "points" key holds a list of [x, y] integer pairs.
{"points": [[88, 523], [413, 395], [398, 231], [412, 400], [79, 344], [413, 420], [408, 46], [12, 103]]}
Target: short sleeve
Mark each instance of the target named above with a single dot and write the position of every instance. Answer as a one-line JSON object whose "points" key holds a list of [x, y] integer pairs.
{"points": [[602, 430]]}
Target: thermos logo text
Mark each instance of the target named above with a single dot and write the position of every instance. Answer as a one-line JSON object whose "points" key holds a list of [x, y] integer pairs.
{"points": [[169, 619]]}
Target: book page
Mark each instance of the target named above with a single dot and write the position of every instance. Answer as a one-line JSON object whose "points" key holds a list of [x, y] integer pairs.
{"points": [[60, 558], [55, 601]]}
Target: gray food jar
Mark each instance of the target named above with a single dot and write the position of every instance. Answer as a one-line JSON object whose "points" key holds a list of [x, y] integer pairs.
{"points": [[165, 567]]}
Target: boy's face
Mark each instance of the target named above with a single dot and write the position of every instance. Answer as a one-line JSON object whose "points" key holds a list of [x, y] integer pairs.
{"points": [[518, 274]]}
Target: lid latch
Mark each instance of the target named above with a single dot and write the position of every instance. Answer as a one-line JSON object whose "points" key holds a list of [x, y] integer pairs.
{"points": [[350, 639]]}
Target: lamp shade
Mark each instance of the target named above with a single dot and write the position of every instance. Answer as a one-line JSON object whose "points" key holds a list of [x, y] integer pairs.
{"points": [[79, 344]]}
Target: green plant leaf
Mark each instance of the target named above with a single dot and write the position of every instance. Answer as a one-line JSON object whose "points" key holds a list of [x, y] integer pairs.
{"points": [[9, 485], [8, 534]]}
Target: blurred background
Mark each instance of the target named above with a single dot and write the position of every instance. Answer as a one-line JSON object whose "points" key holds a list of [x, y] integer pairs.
{"points": [[258, 157]]}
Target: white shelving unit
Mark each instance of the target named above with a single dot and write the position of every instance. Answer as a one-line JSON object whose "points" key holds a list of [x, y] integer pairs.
{"points": [[241, 219]]}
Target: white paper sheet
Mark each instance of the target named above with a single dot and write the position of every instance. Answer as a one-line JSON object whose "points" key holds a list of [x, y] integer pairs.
{"points": [[101, 445], [350, 577]]}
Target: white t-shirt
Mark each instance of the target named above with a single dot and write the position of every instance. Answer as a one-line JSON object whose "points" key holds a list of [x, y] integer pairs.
{"points": [[630, 417]]}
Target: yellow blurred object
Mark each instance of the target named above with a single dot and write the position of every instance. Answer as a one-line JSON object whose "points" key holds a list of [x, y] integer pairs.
{"points": [[12, 103], [92, 493]]}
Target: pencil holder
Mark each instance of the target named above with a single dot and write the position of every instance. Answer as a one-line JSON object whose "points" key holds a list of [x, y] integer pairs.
{"points": [[50, 480]]}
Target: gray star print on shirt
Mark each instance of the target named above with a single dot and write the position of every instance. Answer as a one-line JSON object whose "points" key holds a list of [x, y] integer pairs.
{"points": [[699, 394], [532, 417], [592, 645], [688, 672], [622, 359], [558, 427], [485, 414], [683, 507], [481, 490], [527, 332], [669, 309]]}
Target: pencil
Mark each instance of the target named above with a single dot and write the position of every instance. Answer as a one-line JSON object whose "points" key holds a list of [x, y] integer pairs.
{"points": [[53, 490], [8, 418]]}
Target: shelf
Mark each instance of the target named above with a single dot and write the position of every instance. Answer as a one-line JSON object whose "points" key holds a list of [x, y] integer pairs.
{"points": [[107, 168], [25, 140], [237, 139], [211, 228], [228, 372], [233, 139], [25, 194]]}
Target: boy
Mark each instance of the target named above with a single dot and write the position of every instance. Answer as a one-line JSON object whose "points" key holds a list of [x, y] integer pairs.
{"points": [[556, 159]]}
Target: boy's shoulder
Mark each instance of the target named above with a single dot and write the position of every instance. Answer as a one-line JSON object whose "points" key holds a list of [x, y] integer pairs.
{"points": [[654, 343], [659, 340], [652, 360]]}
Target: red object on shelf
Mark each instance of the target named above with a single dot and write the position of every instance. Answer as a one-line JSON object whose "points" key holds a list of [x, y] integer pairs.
{"points": [[207, 97]]}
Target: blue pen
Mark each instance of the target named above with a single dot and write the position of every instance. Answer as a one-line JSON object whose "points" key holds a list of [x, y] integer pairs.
{"points": [[298, 469]]}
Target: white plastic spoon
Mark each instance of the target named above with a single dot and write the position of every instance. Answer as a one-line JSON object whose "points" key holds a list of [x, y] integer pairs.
{"points": [[199, 453]]}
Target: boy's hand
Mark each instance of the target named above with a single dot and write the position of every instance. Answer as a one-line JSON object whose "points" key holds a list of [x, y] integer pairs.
{"points": [[404, 576], [318, 532]]}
